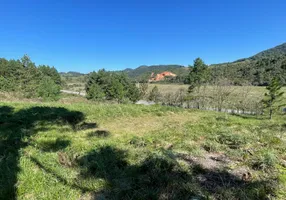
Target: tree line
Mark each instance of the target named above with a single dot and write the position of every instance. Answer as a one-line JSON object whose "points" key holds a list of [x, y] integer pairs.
{"points": [[22, 76], [207, 92]]}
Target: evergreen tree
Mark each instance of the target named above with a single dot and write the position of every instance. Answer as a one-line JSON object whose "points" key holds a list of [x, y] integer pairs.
{"points": [[114, 86], [29, 81], [51, 72], [115, 90], [95, 93], [48, 89], [26, 61], [272, 100], [199, 73]]}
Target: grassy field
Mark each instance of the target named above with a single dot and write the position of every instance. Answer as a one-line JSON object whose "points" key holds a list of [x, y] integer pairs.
{"points": [[254, 91], [93, 151]]}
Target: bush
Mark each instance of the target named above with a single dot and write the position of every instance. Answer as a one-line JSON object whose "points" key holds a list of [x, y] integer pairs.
{"points": [[265, 161], [154, 94], [233, 141], [114, 86], [95, 93], [48, 89], [6, 84]]}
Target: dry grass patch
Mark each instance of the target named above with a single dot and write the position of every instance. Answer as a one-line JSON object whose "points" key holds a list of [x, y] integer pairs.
{"points": [[148, 123]]}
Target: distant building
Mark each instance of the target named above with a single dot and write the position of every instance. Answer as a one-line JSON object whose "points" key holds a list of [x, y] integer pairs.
{"points": [[161, 76]]}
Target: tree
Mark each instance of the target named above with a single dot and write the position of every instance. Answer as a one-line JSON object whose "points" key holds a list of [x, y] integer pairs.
{"points": [[26, 61], [51, 72], [95, 93], [29, 81], [115, 90], [272, 100], [199, 73], [48, 89], [25, 77], [115, 86], [143, 89], [6, 84]]}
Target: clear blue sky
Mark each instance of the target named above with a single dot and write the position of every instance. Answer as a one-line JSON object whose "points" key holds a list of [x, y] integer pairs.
{"points": [[87, 35]]}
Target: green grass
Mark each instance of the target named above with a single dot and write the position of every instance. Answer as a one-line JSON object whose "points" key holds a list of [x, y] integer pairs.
{"points": [[254, 91], [105, 151]]}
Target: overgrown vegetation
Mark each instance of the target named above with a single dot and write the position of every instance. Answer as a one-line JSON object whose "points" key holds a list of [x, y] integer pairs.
{"points": [[82, 150], [87, 151], [25, 78]]}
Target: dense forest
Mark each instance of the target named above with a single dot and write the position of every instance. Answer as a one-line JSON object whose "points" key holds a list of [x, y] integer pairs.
{"points": [[25, 78]]}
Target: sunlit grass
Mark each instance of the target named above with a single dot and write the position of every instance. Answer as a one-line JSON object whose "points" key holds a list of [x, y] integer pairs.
{"points": [[142, 152]]}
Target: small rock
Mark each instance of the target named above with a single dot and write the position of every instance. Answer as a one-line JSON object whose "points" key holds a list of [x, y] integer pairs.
{"points": [[283, 163], [169, 146], [246, 176]]}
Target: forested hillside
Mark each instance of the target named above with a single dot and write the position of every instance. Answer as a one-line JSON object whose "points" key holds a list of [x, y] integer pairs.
{"points": [[256, 70], [273, 52]]}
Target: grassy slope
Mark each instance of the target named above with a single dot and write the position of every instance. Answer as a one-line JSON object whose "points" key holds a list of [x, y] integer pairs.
{"points": [[85, 151]]}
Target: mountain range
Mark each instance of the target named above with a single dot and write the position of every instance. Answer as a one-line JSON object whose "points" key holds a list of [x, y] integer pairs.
{"points": [[261, 63]]}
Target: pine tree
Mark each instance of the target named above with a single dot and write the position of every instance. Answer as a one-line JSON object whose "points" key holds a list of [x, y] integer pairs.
{"points": [[273, 97], [199, 73], [95, 93], [48, 89]]}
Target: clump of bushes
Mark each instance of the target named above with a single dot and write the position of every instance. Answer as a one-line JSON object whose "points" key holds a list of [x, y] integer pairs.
{"points": [[24, 77], [233, 141], [266, 160], [103, 85]]}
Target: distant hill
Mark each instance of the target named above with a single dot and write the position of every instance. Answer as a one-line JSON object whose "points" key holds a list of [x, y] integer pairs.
{"points": [[277, 51], [144, 71], [257, 70], [71, 73]]}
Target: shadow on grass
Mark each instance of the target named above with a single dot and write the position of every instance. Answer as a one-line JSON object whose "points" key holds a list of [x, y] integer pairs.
{"points": [[160, 177], [15, 127], [54, 146], [154, 177], [221, 184], [99, 133], [248, 116], [85, 126]]}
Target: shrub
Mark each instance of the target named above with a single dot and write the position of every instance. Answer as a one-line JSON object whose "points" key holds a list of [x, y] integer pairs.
{"points": [[48, 89], [265, 161], [6, 84], [114, 86], [95, 93], [154, 94], [233, 141]]}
